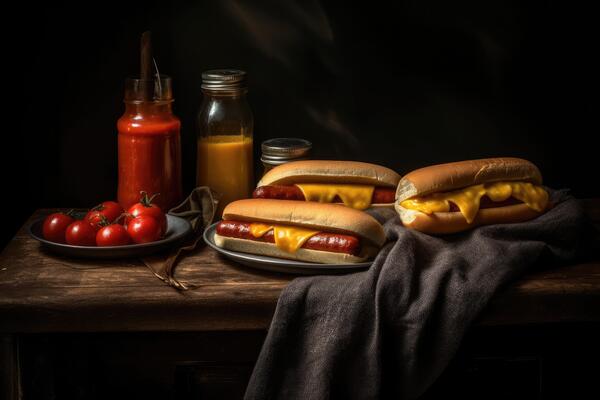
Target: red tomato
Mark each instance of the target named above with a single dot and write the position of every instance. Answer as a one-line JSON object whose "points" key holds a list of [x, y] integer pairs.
{"points": [[81, 233], [144, 229], [109, 209], [96, 219], [55, 226], [145, 207], [112, 235]]}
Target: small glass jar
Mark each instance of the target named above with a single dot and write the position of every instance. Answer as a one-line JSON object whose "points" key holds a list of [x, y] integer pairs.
{"points": [[282, 150], [225, 136], [149, 144]]}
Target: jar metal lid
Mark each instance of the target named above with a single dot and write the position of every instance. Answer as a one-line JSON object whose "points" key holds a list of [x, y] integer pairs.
{"points": [[223, 79], [285, 149]]}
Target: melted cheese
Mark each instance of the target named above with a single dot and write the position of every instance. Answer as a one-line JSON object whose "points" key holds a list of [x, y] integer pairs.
{"points": [[467, 200], [287, 238], [355, 196]]}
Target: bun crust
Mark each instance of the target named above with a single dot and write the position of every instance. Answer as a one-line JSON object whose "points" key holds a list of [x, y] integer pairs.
{"points": [[382, 205], [334, 218], [269, 249], [325, 171], [457, 175], [452, 222]]}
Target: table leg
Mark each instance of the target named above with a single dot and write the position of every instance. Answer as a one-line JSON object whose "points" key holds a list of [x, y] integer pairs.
{"points": [[10, 382]]}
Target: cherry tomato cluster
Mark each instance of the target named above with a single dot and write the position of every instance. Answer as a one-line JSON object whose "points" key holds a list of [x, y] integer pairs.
{"points": [[108, 224]]}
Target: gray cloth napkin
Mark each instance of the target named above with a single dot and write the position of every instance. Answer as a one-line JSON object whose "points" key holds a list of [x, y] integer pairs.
{"points": [[389, 332], [199, 209]]}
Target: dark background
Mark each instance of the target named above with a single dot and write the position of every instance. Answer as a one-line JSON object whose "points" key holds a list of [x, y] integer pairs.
{"points": [[401, 83]]}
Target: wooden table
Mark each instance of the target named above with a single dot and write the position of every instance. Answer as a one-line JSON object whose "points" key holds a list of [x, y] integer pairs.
{"points": [[44, 293]]}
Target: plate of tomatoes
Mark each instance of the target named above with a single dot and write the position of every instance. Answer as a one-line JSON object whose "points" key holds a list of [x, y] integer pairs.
{"points": [[108, 231]]}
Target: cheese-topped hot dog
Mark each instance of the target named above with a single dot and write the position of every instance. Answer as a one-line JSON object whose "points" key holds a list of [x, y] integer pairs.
{"points": [[355, 184], [307, 231], [454, 197]]}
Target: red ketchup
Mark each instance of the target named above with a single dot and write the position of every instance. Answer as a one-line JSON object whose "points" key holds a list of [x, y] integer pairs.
{"points": [[149, 145]]}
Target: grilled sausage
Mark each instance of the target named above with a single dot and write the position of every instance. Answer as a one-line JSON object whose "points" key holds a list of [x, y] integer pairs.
{"points": [[322, 241]]}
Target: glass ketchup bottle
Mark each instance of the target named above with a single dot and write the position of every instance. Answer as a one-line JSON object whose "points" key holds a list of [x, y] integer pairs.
{"points": [[149, 144]]}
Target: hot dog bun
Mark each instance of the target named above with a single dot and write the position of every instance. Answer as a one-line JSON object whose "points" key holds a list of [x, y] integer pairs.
{"points": [[328, 171], [452, 222], [456, 175], [459, 175], [329, 218], [270, 250]]}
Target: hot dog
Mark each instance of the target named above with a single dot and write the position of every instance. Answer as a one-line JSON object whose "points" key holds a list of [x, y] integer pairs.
{"points": [[454, 197], [334, 242], [354, 184], [381, 195], [301, 230]]}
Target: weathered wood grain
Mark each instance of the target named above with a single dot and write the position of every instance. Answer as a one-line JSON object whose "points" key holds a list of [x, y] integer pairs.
{"points": [[43, 292]]}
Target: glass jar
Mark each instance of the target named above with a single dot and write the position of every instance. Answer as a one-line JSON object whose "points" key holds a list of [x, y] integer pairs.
{"points": [[282, 150], [149, 144], [225, 136]]}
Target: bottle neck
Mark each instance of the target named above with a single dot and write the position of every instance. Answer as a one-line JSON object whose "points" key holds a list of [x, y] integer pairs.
{"points": [[148, 108]]}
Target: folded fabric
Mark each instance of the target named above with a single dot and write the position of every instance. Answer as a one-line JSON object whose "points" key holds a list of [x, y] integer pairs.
{"points": [[390, 331], [199, 209]]}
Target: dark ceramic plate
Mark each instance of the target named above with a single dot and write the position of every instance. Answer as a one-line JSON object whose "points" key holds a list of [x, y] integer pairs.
{"points": [[177, 230], [280, 264]]}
